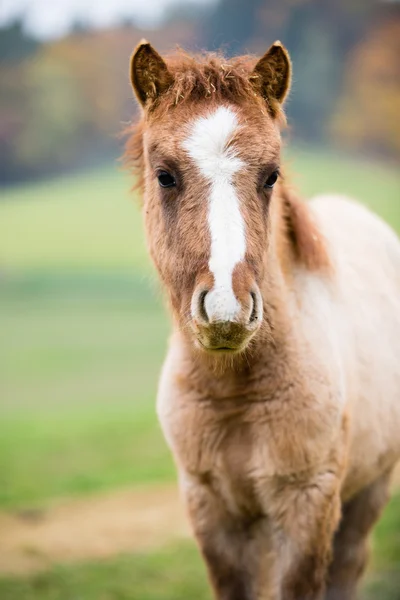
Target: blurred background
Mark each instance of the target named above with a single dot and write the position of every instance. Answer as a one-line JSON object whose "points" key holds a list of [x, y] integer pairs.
{"points": [[88, 502]]}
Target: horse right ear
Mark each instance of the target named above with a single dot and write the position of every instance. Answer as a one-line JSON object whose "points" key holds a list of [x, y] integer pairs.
{"points": [[149, 74], [271, 77]]}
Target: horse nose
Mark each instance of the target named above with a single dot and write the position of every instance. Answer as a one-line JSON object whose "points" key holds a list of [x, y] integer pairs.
{"points": [[201, 313], [222, 306]]}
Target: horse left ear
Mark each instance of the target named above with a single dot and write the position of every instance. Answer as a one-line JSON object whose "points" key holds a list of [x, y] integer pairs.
{"points": [[149, 73], [272, 75]]}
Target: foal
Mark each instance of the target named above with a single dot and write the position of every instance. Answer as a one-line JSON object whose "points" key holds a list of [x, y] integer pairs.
{"points": [[280, 393]]}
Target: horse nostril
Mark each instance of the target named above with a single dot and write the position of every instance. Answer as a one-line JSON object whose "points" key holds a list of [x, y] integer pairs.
{"points": [[202, 306], [253, 315]]}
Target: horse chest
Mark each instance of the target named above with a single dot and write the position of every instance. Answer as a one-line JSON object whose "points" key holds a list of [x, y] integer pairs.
{"points": [[242, 446], [240, 455], [220, 457]]}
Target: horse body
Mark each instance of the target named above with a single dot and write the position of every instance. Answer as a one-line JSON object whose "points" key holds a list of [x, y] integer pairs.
{"points": [[366, 254], [279, 396]]}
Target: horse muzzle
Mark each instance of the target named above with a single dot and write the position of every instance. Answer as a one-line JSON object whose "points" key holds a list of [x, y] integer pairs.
{"points": [[222, 322]]}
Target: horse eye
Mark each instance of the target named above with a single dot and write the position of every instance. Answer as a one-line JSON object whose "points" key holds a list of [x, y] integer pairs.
{"points": [[272, 179], [165, 179]]}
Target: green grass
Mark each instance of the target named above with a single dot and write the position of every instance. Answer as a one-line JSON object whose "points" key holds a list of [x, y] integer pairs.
{"points": [[375, 185], [177, 573], [77, 222], [174, 573], [79, 366], [384, 576]]}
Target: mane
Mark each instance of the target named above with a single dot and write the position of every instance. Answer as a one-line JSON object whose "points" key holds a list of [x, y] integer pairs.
{"points": [[299, 237], [212, 75]]}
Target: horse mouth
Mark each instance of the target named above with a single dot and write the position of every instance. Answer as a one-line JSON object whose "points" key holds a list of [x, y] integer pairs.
{"points": [[220, 349], [225, 337]]}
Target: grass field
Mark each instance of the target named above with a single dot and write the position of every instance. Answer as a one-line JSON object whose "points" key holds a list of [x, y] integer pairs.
{"points": [[79, 367], [83, 334]]}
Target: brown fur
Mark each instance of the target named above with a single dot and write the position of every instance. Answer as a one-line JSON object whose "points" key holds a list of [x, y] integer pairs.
{"points": [[301, 232], [265, 438]]}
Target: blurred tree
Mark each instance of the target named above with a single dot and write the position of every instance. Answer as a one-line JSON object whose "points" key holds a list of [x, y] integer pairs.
{"points": [[367, 113], [320, 34], [15, 48], [15, 44], [181, 12], [232, 25], [63, 107], [52, 124]]}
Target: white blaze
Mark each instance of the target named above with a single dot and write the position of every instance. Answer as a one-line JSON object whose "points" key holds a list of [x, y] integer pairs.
{"points": [[207, 146]]}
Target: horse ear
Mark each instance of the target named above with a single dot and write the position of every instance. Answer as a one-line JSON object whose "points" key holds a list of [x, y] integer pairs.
{"points": [[149, 73], [271, 76]]}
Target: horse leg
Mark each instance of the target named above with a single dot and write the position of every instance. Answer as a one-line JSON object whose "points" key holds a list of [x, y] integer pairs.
{"points": [[284, 556], [237, 549], [309, 515], [359, 515]]}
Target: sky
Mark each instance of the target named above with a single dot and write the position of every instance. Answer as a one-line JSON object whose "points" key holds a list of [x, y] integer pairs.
{"points": [[53, 18]]}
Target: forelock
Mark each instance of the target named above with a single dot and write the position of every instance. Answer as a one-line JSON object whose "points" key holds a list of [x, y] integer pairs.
{"points": [[209, 75]]}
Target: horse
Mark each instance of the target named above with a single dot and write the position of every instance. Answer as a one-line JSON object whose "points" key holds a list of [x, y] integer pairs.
{"points": [[280, 392]]}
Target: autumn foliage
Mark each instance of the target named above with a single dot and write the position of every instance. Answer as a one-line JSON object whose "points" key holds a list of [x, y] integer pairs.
{"points": [[367, 113]]}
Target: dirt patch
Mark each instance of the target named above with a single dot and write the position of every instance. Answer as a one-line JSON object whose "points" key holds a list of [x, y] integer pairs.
{"points": [[93, 527]]}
